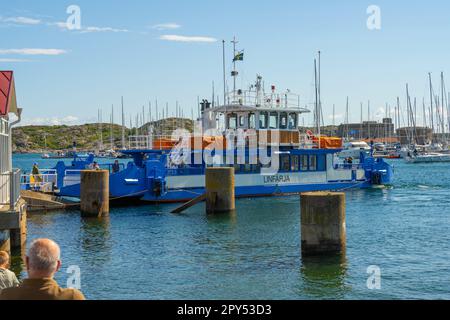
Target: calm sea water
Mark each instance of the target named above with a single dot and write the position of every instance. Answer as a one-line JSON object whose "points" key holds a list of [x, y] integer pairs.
{"points": [[145, 252]]}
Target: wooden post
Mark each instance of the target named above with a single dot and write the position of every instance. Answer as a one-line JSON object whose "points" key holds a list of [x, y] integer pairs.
{"points": [[94, 197], [219, 184], [323, 228]]}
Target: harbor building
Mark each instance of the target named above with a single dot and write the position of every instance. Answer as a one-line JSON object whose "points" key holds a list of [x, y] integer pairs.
{"points": [[419, 135], [368, 130], [12, 207]]}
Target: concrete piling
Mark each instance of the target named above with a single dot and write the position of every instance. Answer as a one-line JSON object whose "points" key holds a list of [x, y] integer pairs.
{"points": [[19, 234], [94, 195], [13, 227], [323, 228], [219, 184]]}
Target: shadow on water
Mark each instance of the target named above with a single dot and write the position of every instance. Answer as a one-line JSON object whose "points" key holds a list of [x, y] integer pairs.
{"points": [[95, 237], [324, 276]]}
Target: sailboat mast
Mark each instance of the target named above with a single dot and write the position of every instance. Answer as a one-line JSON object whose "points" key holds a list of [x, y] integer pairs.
{"points": [[346, 120], [442, 105], [368, 118], [123, 127], [111, 138], [361, 123], [431, 106], [424, 120]]}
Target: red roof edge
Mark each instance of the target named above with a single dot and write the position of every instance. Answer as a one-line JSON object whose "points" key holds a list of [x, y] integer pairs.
{"points": [[6, 82]]}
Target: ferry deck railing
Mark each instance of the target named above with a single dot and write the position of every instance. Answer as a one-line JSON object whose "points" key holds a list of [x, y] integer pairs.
{"points": [[45, 181], [105, 166], [151, 142], [272, 100]]}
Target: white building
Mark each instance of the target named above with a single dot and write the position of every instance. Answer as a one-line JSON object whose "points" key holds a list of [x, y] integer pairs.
{"points": [[9, 178]]}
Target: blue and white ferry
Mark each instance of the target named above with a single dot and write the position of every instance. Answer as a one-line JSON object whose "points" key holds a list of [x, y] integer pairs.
{"points": [[163, 172]]}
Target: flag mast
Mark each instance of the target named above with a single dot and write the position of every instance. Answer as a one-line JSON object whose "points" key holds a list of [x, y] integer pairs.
{"points": [[234, 73], [224, 74]]}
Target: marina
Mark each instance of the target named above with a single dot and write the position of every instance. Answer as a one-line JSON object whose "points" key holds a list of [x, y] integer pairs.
{"points": [[255, 253]]}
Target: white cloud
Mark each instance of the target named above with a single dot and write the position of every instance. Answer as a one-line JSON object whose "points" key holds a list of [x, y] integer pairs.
{"points": [[101, 29], [381, 112], [64, 26], [52, 121], [22, 20], [166, 26], [178, 38], [13, 60], [61, 25], [34, 52]]}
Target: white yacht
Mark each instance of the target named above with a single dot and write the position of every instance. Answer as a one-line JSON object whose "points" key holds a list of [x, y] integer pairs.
{"points": [[353, 149]]}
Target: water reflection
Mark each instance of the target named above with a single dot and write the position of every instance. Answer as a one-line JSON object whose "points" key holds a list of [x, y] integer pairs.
{"points": [[324, 276], [224, 218], [18, 261], [95, 237]]}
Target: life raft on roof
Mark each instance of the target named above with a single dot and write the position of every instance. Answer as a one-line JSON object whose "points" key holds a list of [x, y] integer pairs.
{"points": [[196, 142], [328, 142], [8, 101]]}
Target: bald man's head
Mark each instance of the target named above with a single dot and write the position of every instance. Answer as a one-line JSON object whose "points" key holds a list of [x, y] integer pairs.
{"points": [[43, 258]]}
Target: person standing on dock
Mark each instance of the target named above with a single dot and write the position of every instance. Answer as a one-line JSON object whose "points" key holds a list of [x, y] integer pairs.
{"points": [[8, 278], [42, 262]]}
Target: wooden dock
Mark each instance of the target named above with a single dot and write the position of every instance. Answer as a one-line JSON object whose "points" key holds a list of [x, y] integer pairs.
{"points": [[37, 201]]}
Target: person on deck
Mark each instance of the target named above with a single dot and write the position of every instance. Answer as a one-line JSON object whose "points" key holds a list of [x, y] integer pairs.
{"points": [[116, 166], [36, 175], [42, 262], [7, 278], [94, 166]]}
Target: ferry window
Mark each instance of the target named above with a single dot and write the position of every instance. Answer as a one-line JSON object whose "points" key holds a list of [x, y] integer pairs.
{"points": [[241, 121], [284, 162], [248, 168], [295, 163], [304, 163], [292, 121], [263, 120], [273, 121], [313, 163], [321, 163], [237, 168], [232, 121], [283, 120], [252, 121]]}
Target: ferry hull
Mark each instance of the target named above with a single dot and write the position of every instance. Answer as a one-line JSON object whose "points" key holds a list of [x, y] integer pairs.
{"points": [[152, 181], [175, 196]]}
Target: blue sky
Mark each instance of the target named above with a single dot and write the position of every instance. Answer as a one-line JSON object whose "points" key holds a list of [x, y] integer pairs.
{"points": [[121, 50]]}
